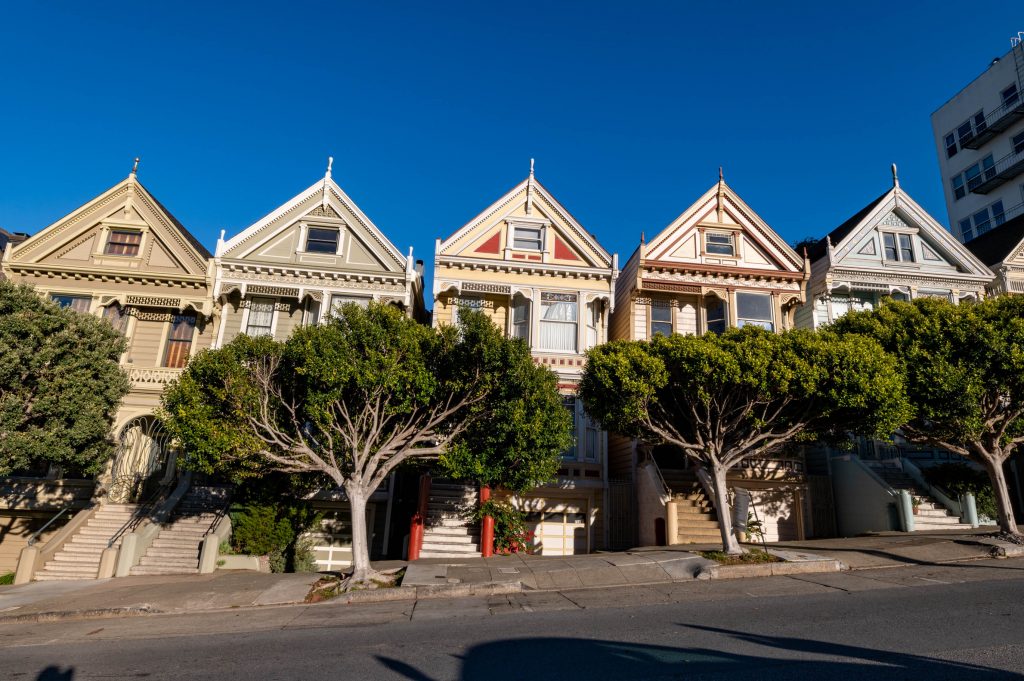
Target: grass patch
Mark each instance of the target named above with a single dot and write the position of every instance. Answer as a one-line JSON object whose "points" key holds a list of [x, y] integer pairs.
{"points": [[7, 579], [331, 586], [752, 556]]}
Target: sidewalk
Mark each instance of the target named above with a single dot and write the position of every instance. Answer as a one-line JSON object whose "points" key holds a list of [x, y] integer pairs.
{"points": [[434, 578]]}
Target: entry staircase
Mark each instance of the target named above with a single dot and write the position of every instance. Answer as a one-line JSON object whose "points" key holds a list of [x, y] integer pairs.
{"points": [[695, 513], [79, 558], [450, 530], [175, 551], [930, 515]]}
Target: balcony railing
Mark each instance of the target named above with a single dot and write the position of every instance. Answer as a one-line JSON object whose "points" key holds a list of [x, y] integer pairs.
{"points": [[152, 379], [997, 121], [1004, 170], [998, 219]]}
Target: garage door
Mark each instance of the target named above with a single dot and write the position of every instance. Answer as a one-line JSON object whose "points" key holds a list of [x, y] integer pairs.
{"points": [[558, 533]]}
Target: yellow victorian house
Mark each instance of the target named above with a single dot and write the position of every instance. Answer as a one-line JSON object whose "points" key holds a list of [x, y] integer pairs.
{"points": [[529, 265], [718, 265]]}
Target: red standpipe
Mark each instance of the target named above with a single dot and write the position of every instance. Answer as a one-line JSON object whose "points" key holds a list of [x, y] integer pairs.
{"points": [[486, 526], [419, 518]]}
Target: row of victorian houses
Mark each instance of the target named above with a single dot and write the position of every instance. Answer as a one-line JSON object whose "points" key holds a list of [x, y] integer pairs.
{"points": [[541, 276]]}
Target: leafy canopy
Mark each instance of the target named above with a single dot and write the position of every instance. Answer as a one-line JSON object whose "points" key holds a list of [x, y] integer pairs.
{"points": [[60, 384]]}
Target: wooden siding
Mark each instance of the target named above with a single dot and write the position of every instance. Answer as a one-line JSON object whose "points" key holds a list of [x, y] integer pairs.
{"points": [[145, 343], [232, 320], [620, 456]]}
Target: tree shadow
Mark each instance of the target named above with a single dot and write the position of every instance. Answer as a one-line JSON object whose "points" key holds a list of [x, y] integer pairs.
{"points": [[540, 659]]}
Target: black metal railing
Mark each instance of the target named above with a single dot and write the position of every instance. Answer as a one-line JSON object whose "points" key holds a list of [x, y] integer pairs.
{"points": [[142, 511], [35, 535]]}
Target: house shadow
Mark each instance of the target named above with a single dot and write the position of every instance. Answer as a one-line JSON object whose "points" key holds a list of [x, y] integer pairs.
{"points": [[55, 673], [556, 658]]}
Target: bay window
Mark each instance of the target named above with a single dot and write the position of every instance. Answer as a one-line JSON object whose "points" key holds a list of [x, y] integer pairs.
{"points": [[754, 309], [715, 311], [519, 326], [468, 303], [558, 322], [179, 341], [593, 323], [339, 299], [261, 317], [661, 318], [115, 316]]}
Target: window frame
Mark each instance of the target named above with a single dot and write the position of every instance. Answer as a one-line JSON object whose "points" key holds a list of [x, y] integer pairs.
{"points": [[551, 296], [170, 342], [724, 320], [519, 328], [708, 245], [466, 302], [651, 322], [264, 330], [539, 229], [68, 300], [1015, 97], [120, 322], [321, 228], [765, 323], [111, 243]]}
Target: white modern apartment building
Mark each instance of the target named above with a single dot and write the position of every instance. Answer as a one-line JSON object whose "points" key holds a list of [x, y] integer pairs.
{"points": [[979, 136]]}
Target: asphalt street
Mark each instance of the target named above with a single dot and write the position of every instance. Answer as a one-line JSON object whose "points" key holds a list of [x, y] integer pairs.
{"points": [[960, 621]]}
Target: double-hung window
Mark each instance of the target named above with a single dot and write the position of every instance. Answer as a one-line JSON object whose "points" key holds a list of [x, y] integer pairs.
{"points": [[179, 341], [322, 240], [123, 242], [661, 318], [467, 303], [716, 317], [754, 309], [1010, 95], [558, 322], [593, 323], [972, 177], [898, 247], [115, 316], [719, 243], [1018, 143], [261, 317], [339, 299], [520, 324], [76, 303], [569, 402], [528, 238]]}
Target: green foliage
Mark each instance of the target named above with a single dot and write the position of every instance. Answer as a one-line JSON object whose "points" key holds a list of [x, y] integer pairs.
{"points": [[959, 479], [516, 436], [510, 534], [746, 391], [274, 530], [964, 365], [60, 384], [7, 578], [753, 556]]}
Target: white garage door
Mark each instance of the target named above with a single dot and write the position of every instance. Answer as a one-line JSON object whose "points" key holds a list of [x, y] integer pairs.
{"points": [[558, 533]]}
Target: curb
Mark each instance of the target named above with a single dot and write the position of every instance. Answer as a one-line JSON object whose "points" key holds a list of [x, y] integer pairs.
{"points": [[768, 569], [416, 593], [70, 615], [1002, 549]]}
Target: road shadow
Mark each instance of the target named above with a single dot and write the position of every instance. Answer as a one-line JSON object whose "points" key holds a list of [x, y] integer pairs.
{"points": [[542, 659], [54, 673]]}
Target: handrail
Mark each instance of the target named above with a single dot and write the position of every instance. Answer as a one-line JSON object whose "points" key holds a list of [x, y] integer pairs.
{"points": [[875, 476], [649, 457], [935, 492], [140, 513], [35, 535], [219, 514]]}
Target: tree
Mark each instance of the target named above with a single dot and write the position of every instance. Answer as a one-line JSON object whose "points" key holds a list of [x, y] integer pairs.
{"points": [[745, 394], [350, 400], [60, 384], [964, 367]]}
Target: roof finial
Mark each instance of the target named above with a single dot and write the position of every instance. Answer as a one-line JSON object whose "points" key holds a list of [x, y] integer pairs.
{"points": [[531, 167], [135, 166], [330, 162], [895, 177], [721, 175], [529, 190]]}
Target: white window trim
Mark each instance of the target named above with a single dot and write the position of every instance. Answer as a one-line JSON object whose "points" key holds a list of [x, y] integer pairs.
{"points": [[321, 223], [528, 223], [733, 237], [540, 320], [771, 308], [273, 316]]}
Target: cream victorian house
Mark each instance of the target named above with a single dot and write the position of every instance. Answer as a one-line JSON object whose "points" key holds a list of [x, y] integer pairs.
{"points": [[890, 248], [292, 267], [124, 257], [529, 265], [316, 251], [718, 265]]}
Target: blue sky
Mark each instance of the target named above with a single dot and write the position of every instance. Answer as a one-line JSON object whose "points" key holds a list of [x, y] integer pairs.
{"points": [[432, 110]]}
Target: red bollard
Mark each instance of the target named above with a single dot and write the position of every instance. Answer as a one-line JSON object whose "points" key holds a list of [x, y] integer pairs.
{"points": [[486, 526]]}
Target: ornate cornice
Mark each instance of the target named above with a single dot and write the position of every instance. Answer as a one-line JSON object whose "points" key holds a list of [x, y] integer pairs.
{"points": [[916, 279], [101, 274], [525, 267], [699, 279], [655, 266]]}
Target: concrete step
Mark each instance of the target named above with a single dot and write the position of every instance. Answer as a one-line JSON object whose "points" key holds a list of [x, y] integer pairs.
{"points": [[186, 563], [449, 547], [164, 552], [171, 543], [73, 557], [448, 522], [58, 576], [89, 539], [81, 569], [154, 570], [686, 526], [449, 538], [446, 554], [452, 530]]}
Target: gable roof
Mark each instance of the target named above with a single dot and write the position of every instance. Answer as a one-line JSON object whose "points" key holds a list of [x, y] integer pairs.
{"points": [[992, 247], [507, 202], [325, 190], [842, 231]]}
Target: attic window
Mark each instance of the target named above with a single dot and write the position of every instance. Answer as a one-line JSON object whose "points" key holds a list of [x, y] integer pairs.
{"points": [[527, 238], [719, 243], [320, 240], [903, 252], [123, 242]]}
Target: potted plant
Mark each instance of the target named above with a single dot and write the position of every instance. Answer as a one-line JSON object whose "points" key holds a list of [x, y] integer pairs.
{"points": [[914, 503]]}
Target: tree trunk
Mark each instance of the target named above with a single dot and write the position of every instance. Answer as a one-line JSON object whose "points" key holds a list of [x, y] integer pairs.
{"points": [[360, 549], [1007, 523], [724, 511]]}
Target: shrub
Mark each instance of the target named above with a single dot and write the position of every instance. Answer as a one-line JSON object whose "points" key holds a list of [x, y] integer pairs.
{"points": [[274, 531], [7, 578], [510, 535], [959, 479]]}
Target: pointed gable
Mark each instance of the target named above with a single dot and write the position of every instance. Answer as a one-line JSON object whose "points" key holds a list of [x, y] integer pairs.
{"points": [[125, 230], [526, 225], [720, 230], [892, 232], [302, 231], [1004, 244]]}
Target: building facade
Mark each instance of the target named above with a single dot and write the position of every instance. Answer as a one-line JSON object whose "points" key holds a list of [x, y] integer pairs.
{"points": [[890, 248], [979, 138], [718, 265], [1003, 251], [124, 257], [539, 275]]}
